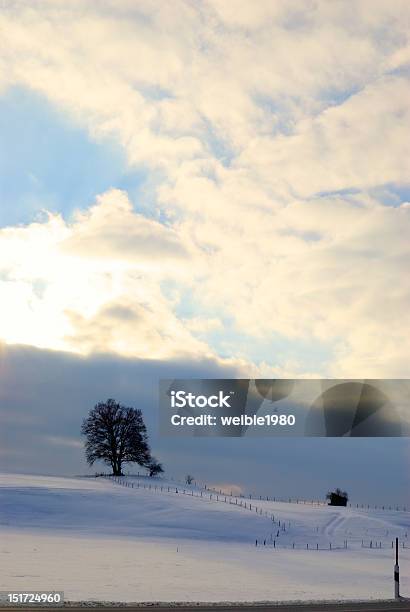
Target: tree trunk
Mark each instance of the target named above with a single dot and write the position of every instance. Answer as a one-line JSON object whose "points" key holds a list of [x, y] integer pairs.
{"points": [[116, 468]]}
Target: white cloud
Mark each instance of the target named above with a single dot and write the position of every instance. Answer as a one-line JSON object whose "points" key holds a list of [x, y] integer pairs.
{"points": [[111, 230], [98, 293], [249, 110]]}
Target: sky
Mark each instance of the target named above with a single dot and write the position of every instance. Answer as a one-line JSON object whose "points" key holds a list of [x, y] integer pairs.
{"points": [[210, 187]]}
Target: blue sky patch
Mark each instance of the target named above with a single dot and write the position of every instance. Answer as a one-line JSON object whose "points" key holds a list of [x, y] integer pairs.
{"points": [[48, 162]]}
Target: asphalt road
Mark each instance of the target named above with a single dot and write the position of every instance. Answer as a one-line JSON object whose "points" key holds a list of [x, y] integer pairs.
{"points": [[376, 606]]}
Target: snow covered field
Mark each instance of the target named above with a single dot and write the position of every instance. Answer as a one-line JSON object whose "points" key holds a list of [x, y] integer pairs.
{"points": [[97, 540]]}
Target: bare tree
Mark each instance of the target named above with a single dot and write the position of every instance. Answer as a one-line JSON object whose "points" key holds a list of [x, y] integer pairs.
{"points": [[154, 467], [116, 434], [189, 479]]}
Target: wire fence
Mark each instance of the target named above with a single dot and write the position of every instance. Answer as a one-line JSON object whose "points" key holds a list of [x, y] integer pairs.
{"points": [[282, 527], [270, 498], [204, 494]]}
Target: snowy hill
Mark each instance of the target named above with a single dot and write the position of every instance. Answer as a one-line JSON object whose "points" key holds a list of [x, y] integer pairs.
{"points": [[143, 539]]}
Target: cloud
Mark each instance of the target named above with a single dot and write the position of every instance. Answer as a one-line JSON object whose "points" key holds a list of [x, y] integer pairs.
{"points": [[111, 230], [358, 144], [272, 131], [99, 280], [220, 72], [44, 396], [63, 441], [130, 328], [58, 390]]}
